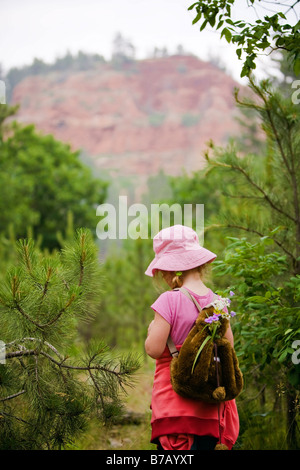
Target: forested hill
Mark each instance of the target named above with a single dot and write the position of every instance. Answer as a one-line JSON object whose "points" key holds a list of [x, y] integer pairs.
{"points": [[135, 117]]}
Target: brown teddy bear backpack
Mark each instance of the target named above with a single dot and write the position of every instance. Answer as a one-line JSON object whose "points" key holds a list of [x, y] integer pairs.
{"points": [[206, 367]]}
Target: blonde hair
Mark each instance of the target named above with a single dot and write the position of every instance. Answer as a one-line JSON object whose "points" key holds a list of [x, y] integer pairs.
{"points": [[175, 278]]}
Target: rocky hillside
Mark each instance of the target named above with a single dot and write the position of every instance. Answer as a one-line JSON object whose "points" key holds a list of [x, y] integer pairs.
{"points": [[136, 117]]}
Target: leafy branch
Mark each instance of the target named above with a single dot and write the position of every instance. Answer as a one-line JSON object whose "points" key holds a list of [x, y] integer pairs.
{"points": [[267, 33]]}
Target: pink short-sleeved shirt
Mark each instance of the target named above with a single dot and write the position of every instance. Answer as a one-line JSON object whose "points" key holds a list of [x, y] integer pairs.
{"points": [[180, 312]]}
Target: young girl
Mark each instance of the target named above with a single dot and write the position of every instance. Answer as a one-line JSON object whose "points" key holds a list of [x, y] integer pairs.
{"points": [[179, 423]]}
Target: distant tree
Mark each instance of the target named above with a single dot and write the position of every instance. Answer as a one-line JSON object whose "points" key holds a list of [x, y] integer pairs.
{"points": [[68, 62], [180, 50], [42, 180], [38, 67], [160, 52], [123, 50], [85, 61], [65, 62]]}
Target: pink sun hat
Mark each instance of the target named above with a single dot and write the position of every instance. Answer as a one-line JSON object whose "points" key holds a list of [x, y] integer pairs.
{"points": [[177, 248]]}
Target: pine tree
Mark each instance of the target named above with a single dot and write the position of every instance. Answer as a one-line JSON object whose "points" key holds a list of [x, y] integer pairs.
{"points": [[50, 385], [267, 186]]}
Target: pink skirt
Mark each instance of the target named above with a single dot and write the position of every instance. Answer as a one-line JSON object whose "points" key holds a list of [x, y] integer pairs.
{"points": [[175, 420]]}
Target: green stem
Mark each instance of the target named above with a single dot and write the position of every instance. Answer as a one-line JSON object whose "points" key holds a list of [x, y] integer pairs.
{"points": [[199, 351]]}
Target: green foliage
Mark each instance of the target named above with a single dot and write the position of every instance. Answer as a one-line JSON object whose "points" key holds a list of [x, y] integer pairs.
{"points": [[125, 308], [43, 181], [251, 39], [51, 385], [267, 299]]}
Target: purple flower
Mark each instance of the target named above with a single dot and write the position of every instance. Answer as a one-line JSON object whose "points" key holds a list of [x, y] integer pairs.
{"points": [[208, 320], [232, 313], [212, 318], [231, 293]]}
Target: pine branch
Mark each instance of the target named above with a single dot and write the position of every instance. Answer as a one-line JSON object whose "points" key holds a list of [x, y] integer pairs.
{"points": [[13, 416], [49, 323], [89, 367], [100, 395], [107, 378], [21, 353], [266, 197], [35, 339], [19, 308], [242, 196], [82, 258], [273, 127], [61, 312], [45, 289], [13, 396]]}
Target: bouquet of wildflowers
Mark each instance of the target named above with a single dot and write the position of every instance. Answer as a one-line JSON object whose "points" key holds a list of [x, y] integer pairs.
{"points": [[214, 321]]}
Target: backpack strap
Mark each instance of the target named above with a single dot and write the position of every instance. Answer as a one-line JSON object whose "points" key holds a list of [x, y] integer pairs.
{"points": [[172, 348], [170, 343], [190, 296]]}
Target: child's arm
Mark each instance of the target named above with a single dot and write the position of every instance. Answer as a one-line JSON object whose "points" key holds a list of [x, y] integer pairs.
{"points": [[158, 333]]}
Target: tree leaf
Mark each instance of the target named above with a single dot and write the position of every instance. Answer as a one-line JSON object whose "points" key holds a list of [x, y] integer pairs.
{"points": [[203, 25], [197, 18], [192, 6], [227, 34], [297, 66]]}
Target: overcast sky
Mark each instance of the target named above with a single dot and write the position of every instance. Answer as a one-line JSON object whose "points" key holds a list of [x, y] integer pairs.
{"points": [[46, 29]]}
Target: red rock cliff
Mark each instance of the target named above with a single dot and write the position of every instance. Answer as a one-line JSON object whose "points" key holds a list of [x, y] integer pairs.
{"points": [[145, 116]]}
